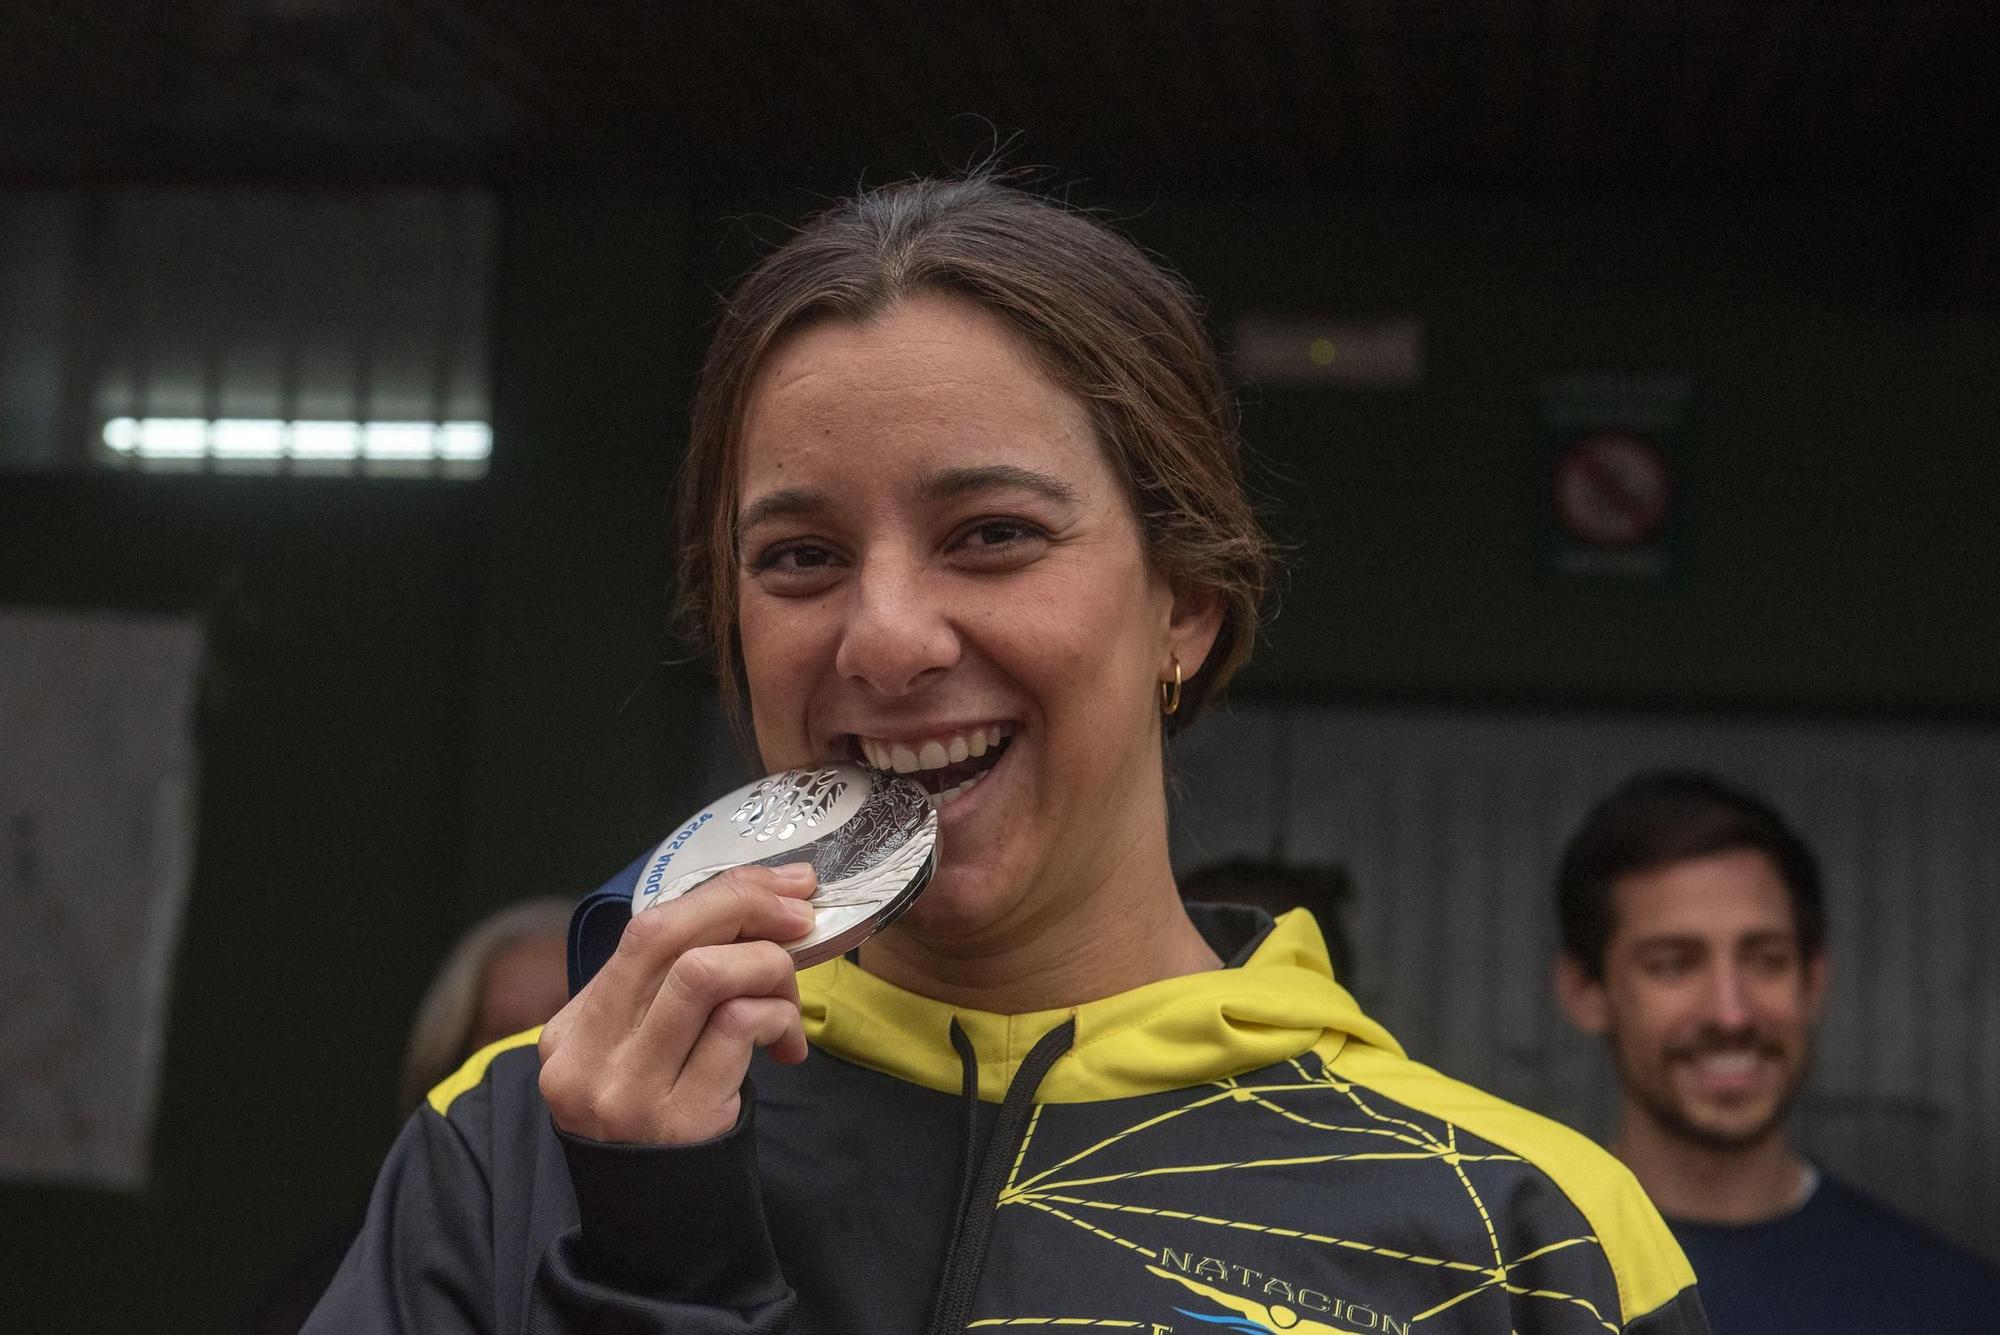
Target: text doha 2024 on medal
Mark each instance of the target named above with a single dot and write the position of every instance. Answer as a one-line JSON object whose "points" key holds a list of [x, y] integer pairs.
{"points": [[871, 838]]}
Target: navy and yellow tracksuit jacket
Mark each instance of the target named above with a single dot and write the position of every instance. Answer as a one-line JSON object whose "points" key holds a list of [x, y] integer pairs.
{"points": [[1235, 1151]]}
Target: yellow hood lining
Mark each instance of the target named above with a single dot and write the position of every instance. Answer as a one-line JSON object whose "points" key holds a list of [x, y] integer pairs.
{"points": [[1280, 1003]]}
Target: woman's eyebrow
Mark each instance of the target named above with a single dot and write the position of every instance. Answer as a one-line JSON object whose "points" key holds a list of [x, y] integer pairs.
{"points": [[952, 482], [786, 502], [945, 484]]}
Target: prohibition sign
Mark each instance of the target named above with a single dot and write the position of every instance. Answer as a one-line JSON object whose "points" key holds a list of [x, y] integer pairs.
{"points": [[1612, 490]]}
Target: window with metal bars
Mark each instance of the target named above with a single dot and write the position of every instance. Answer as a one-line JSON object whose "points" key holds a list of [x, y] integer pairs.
{"points": [[211, 331]]}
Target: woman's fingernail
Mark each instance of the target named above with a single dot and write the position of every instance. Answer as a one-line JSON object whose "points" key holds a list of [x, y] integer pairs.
{"points": [[802, 911], [798, 873]]}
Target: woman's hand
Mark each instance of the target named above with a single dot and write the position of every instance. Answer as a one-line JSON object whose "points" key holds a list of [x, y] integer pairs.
{"points": [[653, 1050]]}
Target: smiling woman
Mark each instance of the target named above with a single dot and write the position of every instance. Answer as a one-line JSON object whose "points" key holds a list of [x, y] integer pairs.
{"points": [[963, 501], [1120, 335], [932, 551]]}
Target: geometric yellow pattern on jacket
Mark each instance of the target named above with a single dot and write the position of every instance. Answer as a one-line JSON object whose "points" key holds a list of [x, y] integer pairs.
{"points": [[1197, 1034]]}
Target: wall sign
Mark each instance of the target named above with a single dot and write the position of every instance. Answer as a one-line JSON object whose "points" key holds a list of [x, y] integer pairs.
{"points": [[1613, 448]]}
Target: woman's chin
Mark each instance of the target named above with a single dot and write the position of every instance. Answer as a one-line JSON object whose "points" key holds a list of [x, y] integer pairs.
{"points": [[958, 905]]}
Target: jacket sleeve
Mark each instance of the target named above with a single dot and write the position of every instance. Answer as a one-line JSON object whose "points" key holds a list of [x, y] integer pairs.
{"points": [[464, 1239], [424, 1259], [669, 1240]]}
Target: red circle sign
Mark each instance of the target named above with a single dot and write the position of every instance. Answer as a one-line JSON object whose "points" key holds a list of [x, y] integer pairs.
{"points": [[1612, 490]]}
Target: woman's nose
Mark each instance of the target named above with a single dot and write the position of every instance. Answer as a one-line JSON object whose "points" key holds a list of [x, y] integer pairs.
{"points": [[898, 635]]}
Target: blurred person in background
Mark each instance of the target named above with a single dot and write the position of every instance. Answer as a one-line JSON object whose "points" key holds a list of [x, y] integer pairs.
{"points": [[507, 973], [1279, 887], [1694, 942], [964, 495]]}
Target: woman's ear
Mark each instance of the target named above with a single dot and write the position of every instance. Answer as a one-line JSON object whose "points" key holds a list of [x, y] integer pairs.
{"points": [[1192, 626]]}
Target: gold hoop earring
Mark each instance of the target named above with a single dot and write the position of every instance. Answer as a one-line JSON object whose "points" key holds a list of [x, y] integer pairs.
{"points": [[1170, 692]]}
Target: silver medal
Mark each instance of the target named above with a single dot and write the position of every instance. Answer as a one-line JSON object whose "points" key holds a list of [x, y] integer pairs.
{"points": [[871, 839]]}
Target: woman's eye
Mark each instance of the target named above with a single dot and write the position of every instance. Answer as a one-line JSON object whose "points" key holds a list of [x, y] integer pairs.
{"points": [[790, 556], [789, 567], [1001, 541], [1004, 530]]}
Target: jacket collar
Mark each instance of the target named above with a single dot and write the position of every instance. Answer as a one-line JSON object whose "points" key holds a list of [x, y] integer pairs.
{"points": [[1280, 1002], [1276, 1000]]}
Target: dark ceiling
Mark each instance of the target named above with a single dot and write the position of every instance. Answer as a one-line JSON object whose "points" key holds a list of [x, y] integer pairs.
{"points": [[1892, 96]]}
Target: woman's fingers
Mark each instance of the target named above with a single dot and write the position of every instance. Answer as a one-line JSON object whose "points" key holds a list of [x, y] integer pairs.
{"points": [[674, 1079], [762, 903], [699, 984], [703, 974], [706, 1095]]}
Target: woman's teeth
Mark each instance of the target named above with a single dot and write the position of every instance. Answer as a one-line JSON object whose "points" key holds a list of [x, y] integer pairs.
{"points": [[957, 791], [947, 765], [932, 752]]}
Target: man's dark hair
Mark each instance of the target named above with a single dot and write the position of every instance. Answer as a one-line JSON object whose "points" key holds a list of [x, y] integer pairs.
{"points": [[1670, 816]]}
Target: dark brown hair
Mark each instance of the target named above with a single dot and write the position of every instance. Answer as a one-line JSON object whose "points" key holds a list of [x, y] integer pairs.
{"points": [[1671, 816], [1109, 325]]}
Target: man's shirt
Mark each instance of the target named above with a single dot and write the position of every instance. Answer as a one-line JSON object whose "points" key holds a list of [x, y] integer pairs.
{"points": [[1839, 1263]]}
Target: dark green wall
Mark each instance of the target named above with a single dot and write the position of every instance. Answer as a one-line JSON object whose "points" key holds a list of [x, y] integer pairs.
{"points": [[581, 745], [428, 699], [1836, 547]]}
